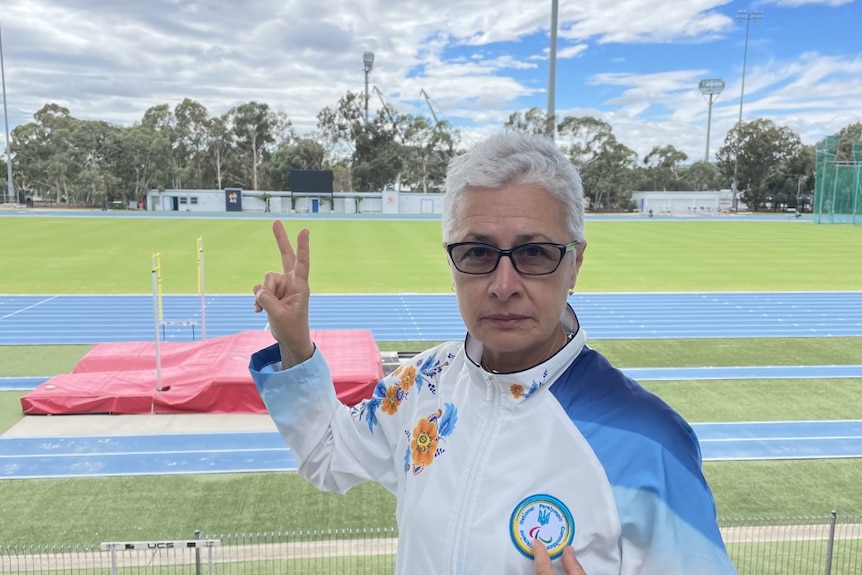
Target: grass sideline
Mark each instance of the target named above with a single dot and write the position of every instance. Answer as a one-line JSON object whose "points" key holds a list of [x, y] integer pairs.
{"points": [[55, 255], [108, 256], [159, 507]]}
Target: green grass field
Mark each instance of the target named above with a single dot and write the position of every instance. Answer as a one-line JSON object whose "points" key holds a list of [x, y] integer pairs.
{"points": [[102, 255], [113, 255]]}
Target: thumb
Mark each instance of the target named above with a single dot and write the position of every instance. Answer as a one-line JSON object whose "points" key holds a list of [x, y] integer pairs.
{"points": [[264, 300], [570, 562]]}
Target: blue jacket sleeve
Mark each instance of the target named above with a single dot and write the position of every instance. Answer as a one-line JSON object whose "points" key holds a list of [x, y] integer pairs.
{"points": [[652, 460]]}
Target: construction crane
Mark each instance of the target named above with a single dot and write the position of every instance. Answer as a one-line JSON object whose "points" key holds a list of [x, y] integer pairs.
{"points": [[430, 107], [388, 112]]}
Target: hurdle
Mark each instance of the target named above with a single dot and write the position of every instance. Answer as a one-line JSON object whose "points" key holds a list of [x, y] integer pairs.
{"points": [[201, 292], [159, 322]]}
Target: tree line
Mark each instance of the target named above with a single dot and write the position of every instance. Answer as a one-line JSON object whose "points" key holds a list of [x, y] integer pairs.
{"points": [[60, 158]]}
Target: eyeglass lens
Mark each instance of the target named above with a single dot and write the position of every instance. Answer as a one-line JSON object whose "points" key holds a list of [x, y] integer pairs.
{"points": [[528, 259]]}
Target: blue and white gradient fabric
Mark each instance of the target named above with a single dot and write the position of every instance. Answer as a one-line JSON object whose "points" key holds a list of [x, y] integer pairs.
{"points": [[569, 451]]}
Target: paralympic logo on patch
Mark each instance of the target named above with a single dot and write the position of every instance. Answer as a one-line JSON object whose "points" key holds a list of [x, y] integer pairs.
{"points": [[542, 517]]}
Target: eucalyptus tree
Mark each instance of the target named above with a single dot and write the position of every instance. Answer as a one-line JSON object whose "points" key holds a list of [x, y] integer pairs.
{"points": [[427, 150], [143, 163], [663, 169], [191, 142], [584, 137], [701, 176], [847, 137], [793, 184], [160, 121], [607, 166], [44, 153], [762, 151], [96, 153], [371, 149], [609, 176], [255, 129], [219, 150], [533, 121]]}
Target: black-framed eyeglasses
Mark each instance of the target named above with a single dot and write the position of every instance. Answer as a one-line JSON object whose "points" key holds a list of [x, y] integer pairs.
{"points": [[533, 259]]}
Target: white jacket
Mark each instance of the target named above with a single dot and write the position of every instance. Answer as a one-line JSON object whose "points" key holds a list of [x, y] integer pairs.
{"points": [[570, 451]]}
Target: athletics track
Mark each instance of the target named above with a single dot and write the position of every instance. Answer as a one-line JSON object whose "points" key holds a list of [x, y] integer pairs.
{"points": [[77, 456], [89, 319], [86, 319]]}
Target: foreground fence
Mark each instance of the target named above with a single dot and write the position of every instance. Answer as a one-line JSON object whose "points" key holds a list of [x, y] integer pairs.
{"points": [[816, 545], [830, 545]]}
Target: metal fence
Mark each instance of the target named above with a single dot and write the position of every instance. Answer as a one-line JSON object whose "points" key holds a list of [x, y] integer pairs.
{"points": [[829, 545], [826, 545]]}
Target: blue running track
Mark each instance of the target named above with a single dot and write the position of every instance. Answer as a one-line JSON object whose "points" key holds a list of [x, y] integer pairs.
{"points": [[87, 319], [44, 457]]}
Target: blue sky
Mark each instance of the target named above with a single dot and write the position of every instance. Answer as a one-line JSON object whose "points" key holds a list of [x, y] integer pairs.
{"points": [[633, 63]]}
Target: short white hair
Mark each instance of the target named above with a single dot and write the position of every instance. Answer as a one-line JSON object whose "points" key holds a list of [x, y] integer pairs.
{"points": [[512, 157]]}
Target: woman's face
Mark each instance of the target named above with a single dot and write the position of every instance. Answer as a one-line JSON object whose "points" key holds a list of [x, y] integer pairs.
{"points": [[516, 317]]}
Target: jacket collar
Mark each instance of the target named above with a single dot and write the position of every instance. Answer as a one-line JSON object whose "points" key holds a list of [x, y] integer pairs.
{"points": [[520, 385]]}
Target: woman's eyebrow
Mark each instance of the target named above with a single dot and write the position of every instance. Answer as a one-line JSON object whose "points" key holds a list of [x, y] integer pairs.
{"points": [[519, 239]]}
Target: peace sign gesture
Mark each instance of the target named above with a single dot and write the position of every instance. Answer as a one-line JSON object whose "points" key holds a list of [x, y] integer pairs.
{"points": [[284, 297]]}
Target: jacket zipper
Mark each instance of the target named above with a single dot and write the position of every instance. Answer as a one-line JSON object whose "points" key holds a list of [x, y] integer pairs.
{"points": [[467, 502]]}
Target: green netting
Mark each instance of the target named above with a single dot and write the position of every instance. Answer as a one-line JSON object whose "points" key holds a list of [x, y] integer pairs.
{"points": [[838, 182]]}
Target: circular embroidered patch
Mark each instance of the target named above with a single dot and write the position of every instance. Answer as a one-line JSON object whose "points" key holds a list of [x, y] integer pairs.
{"points": [[542, 517]]}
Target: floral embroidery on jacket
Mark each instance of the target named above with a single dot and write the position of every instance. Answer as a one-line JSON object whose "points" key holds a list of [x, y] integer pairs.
{"points": [[425, 438], [408, 377], [389, 403], [424, 443], [390, 392], [428, 371], [518, 392]]}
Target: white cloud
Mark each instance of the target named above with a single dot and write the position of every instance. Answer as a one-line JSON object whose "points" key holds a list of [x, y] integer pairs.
{"points": [[646, 21], [479, 63], [571, 51]]}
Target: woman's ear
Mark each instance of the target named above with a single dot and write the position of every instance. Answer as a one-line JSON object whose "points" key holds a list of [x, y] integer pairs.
{"points": [[579, 259], [579, 253]]}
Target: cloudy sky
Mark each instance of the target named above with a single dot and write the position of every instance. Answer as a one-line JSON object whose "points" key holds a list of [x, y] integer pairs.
{"points": [[634, 63]]}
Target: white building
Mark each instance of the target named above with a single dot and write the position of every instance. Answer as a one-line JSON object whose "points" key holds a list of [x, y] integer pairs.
{"points": [[234, 199], [685, 203]]}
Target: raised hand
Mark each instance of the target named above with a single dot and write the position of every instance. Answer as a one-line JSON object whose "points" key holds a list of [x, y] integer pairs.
{"points": [[284, 297], [542, 560]]}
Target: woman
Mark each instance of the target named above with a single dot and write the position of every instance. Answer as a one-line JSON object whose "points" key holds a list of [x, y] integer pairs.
{"points": [[519, 435]]}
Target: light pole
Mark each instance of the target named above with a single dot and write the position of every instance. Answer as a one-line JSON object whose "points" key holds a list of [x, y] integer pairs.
{"points": [[368, 64], [747, 17], [11, 191], [711, 89], [552, 72]]}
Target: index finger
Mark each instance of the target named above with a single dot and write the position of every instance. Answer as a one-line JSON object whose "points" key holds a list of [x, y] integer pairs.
{"points": [[541, 558]]}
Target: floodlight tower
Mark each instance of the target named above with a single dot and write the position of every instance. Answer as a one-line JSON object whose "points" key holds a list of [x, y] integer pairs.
{"points": [[711, 89], [10, 190], [552, 70], [367, 64], [742, 16]]}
